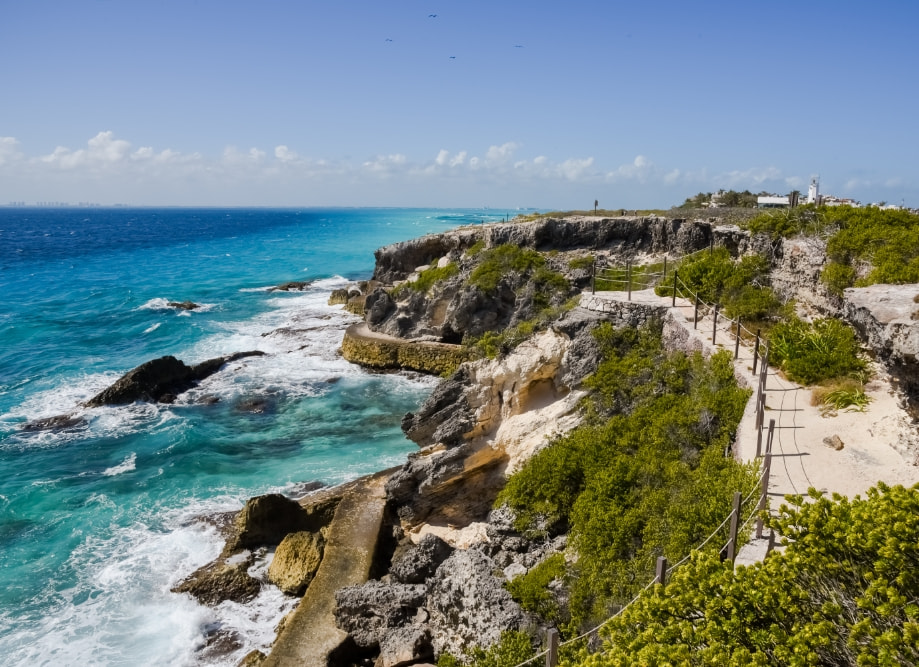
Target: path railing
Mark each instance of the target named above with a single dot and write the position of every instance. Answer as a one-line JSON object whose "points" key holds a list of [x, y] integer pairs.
{"points": [[754, 504]]}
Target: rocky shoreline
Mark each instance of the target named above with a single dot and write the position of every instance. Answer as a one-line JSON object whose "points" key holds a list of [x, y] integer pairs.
{"points": [[426, 571]]}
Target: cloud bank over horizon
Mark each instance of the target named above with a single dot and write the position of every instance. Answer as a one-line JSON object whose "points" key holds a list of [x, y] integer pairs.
{"points": [[109, 169]]}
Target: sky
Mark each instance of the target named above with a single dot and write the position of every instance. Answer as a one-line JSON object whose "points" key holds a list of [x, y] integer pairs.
{"points": [[442, 103]]}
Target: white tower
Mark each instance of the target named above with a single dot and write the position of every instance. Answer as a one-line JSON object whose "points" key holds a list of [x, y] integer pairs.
{"points": [[813, 192]]}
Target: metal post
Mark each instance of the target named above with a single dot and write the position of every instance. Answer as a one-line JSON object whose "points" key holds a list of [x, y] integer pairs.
{"points": [[695, 315], [673, 303], [552, 646], [755, 352], [715, 323], [628, 277], [735, 522], [737, 340], [767, 465], [660, 575]]}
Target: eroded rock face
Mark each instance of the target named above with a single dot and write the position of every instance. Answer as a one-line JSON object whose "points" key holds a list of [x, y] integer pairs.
{"points": [[295, 562], [267, 520], [372, 610], [469, 605], [221, 580], [420, 561]]}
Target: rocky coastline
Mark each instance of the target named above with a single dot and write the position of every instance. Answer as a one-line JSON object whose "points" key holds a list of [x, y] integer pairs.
{"points": [[427, 577]]}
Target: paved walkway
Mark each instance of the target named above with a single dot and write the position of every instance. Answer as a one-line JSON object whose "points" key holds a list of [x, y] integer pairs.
{"points": [[310, 634], [873, 440]]}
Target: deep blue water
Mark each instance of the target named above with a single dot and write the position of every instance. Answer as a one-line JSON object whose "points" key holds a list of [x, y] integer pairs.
{"points": [[99, 521]]}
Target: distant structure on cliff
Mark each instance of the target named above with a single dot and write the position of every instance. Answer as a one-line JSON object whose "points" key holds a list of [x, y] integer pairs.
{"points": [[813, 191]]}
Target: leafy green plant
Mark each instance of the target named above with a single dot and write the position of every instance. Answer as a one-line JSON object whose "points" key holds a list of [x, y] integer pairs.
{"points": [[645, 475], [844, 592], [496, 262], [847, 394], [811, 352], [513, 648], [427, 279], [531, 590], [475, 248]]}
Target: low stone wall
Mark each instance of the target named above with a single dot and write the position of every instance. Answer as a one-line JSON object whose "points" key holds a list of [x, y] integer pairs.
{"points": [[623, 313], [364, 347]]}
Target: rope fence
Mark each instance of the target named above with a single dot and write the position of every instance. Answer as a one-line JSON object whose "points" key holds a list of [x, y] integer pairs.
{"points": [[732, 330]]}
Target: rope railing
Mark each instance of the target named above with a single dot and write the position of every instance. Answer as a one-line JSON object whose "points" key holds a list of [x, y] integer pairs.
{"points": [[733, 328], [551, 653]]}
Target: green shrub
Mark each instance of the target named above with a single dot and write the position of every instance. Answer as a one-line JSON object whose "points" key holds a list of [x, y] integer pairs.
{"points": [[811, 352], [740, 287], [645, 475], [427, 279], [513, 648], [531, 590], [844, 592], [503, 259], [580, 263], [838, 277], [476, 248]]}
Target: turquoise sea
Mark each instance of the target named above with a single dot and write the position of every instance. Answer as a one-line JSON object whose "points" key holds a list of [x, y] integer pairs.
{"points": [[99, 521]]}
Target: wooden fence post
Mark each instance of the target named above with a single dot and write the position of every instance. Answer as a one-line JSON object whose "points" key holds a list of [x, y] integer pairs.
{"points": [[756, 352], [665, 269], [737, 340], [715, 323], [660, 575], [695, 315], [628, 277], [767, 466], [552, 645], [735, 522], [673, 303]]}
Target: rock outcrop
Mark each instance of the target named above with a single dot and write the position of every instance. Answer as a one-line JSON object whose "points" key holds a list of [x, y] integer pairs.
{"points": [[160, 380], [295, 561]]}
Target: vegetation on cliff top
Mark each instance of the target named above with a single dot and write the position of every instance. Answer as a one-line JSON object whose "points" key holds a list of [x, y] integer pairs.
{"points": [[844, 592], [644, 476]]}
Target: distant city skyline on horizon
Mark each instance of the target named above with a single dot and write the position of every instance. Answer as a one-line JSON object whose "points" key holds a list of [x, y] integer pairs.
{"points": [[515, 105]]}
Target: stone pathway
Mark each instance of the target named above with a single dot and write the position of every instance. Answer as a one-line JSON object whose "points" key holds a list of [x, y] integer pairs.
{"points": [[872, 440], [310, 635]]}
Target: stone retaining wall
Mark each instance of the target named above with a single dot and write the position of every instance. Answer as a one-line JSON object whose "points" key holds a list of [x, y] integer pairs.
{"points": [[376, 351]]}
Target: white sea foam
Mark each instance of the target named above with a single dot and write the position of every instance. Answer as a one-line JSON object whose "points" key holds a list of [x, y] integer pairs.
{"points": [[129, 464], [121, 610], [160, 303], [152, 328]]}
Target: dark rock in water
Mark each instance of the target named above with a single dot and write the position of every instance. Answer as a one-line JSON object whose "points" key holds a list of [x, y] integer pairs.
{"points": [[147, 382], [301, 489], [256, 405], [419, 561], [369, 611], [219, 643], [253, 658], [208, 399], [292, 286], [57, 423], [221, 580], [183, 305], [159, 378], [339, 296], [267, 520]]}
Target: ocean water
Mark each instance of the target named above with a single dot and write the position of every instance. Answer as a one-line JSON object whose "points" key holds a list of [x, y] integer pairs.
{"points": [[99, 521]]}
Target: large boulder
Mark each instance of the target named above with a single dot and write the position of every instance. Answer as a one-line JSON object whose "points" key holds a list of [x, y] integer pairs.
{"points": [[266, 520], [295, 562], [469, 605], [405, 646], [370, 611], [416, 563], [160, 379], [223, 579]]}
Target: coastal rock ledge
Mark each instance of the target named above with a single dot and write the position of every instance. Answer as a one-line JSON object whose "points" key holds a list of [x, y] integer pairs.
{"points": [[375, 350]]}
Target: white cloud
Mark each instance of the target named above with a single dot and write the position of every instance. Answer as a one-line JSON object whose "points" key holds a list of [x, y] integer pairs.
{"points": [[102, 149], [442, 157], [284, 154], [9, 150], [500, 155], [640, 169]]}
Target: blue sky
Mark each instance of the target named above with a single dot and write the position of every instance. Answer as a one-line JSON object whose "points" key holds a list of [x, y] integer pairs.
{"points": [[501, 104]]}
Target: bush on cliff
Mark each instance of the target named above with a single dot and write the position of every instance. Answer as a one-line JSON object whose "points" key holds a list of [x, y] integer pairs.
{"points": [[741, 287], [646, 474], [844, 592], [809, 352], [496, 263], [427, 279]]}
